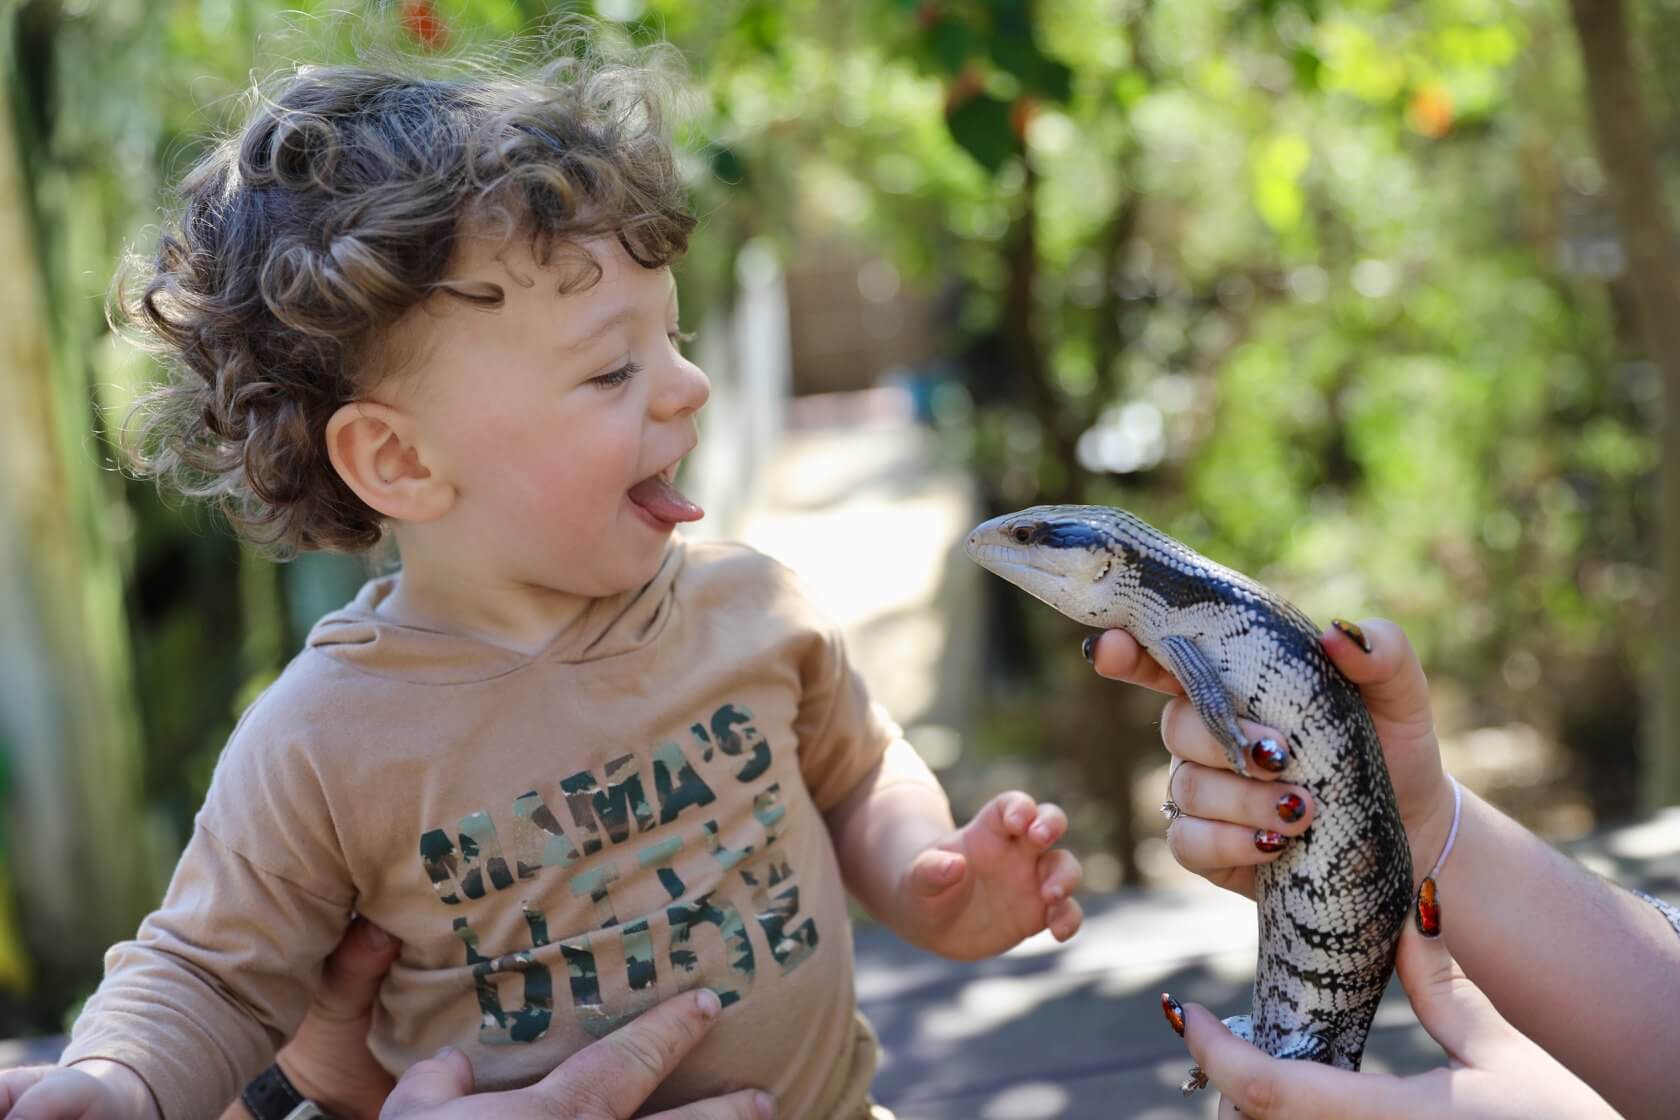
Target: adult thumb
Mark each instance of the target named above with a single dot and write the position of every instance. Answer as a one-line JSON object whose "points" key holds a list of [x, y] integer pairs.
{"points": [[350, 979], [1378, 657], [445, 1076], [1448, 1004]]}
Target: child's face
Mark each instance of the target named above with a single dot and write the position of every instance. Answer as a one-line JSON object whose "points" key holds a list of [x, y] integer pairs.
{"points": [[549, 415]]}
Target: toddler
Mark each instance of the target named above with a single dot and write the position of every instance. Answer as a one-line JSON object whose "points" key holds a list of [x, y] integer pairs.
{"points": [[573, 762]]}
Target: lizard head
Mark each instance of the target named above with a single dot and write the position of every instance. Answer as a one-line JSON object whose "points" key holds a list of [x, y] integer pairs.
{"points": [[1063, 555]]}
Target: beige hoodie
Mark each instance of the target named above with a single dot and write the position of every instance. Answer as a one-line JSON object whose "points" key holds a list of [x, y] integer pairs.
{"points": [[559, 841]]}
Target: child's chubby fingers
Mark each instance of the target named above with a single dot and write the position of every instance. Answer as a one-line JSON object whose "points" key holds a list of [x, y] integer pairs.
{"points": [[1219, 795], [936, 871], [1059, 875], [1187, 737], [1049, 825], [1064, 919], [1117, 656], [1010, 814]]}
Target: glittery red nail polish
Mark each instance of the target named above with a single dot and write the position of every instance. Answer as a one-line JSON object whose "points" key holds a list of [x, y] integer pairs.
{"points": [[1270, 755], [1428, 909], [1174, 1012], [1353, 631], [1268, 841], [1291, 807]]}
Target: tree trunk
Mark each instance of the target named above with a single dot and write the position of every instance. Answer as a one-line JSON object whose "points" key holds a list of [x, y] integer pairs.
{"points": [[73, 824], [1624, 142]]}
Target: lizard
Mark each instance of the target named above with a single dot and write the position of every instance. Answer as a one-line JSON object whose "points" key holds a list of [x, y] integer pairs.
{"points": [[1332, 906]]}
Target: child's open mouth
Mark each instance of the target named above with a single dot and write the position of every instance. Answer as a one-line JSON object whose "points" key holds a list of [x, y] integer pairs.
{"points": [[663, 502]]}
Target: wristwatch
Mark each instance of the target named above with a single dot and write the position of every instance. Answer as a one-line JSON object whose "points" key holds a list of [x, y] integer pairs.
{"points": [[272, 1096]]}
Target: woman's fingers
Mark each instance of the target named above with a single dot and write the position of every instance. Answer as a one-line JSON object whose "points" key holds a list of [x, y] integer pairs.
{"points": [[1449, 1006], [1219, 795], [1117, 655], [1266, 1088], [1187, 737], [1211, 847]]}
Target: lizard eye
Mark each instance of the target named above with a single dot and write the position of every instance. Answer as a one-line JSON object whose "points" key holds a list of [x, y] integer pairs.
{"points": [[1022, 534]]}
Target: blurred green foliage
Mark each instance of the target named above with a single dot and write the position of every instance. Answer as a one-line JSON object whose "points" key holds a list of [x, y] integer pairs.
{"points": [[1327, 288]]}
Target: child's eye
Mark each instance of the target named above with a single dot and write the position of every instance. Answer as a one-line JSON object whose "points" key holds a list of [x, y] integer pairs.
{"points": [[618, 376]]}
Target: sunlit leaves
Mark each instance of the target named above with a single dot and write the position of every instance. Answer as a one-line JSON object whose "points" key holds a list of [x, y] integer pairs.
{"points": [[1278, 164]]}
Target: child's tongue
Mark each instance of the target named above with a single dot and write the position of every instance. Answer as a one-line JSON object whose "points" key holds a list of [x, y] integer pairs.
{"points": [[664, 501]]}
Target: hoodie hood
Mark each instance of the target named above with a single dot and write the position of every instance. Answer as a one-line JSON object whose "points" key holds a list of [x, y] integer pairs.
{"points": [[358, 635]]}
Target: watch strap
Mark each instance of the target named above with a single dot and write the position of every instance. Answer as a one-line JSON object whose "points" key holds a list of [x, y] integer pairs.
{"points": [[272, 1096]]}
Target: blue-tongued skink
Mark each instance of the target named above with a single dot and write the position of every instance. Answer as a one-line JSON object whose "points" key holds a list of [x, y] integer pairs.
{"points": [[1332, 906]]}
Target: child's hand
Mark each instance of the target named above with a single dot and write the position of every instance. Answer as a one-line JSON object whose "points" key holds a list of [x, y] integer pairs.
{"points": [[994, 882], [93, 1090], [1224, 814]]}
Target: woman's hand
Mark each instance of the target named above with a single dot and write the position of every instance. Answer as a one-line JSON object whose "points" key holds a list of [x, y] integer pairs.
{"points": [[1231, 824], [1493, 1073]]}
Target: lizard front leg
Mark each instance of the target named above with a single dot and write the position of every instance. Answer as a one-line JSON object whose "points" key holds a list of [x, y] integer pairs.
{"points": [[1207, 694]]}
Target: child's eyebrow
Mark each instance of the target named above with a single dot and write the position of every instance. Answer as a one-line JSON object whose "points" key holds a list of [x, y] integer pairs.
{"points": [[599, 328]]}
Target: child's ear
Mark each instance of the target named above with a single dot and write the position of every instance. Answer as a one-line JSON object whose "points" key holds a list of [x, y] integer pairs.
{"points": [[373, 448]]}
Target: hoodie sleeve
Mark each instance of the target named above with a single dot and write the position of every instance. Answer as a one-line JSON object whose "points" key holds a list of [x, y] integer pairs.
{"points": [[842, 732], [222, 972]]}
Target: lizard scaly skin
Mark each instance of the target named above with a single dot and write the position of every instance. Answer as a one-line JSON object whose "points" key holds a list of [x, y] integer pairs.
{"points": [[1332, 906]]}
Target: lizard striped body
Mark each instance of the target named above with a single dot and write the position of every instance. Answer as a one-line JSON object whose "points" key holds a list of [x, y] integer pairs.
{"points": [[1332, 906]]}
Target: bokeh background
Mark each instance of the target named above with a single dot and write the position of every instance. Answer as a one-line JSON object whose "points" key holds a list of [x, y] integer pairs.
{"points": [[1375, 300]]}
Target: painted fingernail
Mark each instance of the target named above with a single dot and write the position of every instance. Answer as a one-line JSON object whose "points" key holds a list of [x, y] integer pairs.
{"points": [[1174, 1011], [1291, 807], [1269, 841], [1353, 631], [1428, 909], [710, 1005], [766, 1106], [1269, 754], [1089, 647]]}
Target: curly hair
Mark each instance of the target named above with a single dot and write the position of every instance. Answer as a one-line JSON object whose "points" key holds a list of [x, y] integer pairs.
{"points": [[310, 231]]}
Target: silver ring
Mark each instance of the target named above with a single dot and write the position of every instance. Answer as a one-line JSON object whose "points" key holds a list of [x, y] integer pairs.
{"points": [[1171, 811]]}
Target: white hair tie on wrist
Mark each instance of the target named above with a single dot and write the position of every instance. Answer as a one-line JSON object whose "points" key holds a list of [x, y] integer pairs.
{"points": [[1452, 835]]}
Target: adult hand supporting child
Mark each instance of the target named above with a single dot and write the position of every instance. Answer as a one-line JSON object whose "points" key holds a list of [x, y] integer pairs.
{"points": [[1586, 970], [329, 1062], [608, 1080]]}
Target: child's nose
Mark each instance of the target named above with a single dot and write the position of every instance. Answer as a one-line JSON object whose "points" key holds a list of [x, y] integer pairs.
{"points": [[684, 391]]}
